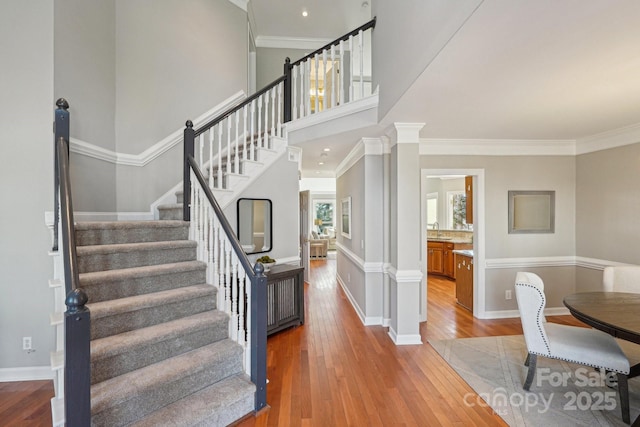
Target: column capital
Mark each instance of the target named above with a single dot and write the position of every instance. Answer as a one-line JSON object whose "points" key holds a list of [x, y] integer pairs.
{"points": [[407, 133]]}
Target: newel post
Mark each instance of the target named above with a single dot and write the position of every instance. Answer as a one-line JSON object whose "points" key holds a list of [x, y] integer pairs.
{"points": [[60, 130], [77, 375], [287, 91], [189, 150], [259, 335]]}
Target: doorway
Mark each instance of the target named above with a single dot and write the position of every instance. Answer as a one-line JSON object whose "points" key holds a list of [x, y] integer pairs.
{"points": [[444, 219]]}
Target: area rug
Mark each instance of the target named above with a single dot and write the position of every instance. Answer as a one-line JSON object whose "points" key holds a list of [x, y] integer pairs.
{"points": [[562, 394]]}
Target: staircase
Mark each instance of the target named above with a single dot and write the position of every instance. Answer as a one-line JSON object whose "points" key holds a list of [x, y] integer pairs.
{"points": [[160, 351]]}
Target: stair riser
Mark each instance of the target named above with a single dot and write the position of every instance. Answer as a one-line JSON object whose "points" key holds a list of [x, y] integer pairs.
{"points": [[146, 401], [140, 356], [116, 236], [99, 262], [114, 289], [123, 322], [170, 213]]}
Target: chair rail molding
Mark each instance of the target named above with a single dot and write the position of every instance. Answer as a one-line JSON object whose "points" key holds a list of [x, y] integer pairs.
{"points": [[156, 150]]}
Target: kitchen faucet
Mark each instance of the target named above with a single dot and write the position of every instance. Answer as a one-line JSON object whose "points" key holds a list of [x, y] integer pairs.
{"points": [[436, 226]]}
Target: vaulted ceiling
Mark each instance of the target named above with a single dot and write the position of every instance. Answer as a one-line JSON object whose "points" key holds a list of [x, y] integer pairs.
{"points": [[544, 70]]}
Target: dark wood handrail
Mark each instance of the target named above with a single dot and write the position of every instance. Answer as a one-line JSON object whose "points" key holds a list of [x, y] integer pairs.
{"points": [[232, 110], [363, 27]]}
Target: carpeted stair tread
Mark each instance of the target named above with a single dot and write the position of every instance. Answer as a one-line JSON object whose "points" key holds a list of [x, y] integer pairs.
{"points": [[129, 397], [111, 257], [114, 232], [217, 405], [118, 354], [126, 314], [126, 282]]}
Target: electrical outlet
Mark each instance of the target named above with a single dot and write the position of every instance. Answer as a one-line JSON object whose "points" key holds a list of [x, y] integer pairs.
{"points": [[26, 343], [507, 294]]}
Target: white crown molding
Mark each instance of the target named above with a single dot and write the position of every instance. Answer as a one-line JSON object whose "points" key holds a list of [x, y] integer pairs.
{"points": [[497, 147], [350, 159], [373, 146], [242, 4], [611, 139], [407, 133], [90, 150], [303, 43]]}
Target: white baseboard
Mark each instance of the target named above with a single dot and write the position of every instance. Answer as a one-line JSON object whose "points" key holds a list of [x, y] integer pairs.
{"points": [[404, 339], [352, 300], [32, 373], [508, 314]]}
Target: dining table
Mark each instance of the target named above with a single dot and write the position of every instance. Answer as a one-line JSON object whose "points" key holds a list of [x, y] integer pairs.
{"points": [[616, 313]]}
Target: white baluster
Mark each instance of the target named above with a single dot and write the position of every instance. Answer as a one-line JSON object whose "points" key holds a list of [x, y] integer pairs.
{"points": [[252, 153], [303, 98], [242, 298], [259, 142], [221, 269], [201, 145], [265, 140], [237, 153], [247, 363], [341, 72], [361, 46], [324, 86], [205, 232], [317, 103], [234, 295], [333, 77], [219, 156], [192, 230], [279, 102], [212, 244], [351, 73], [210, 158], [307, 79], [228, 120], [294, 97], [273, 111], [244, 131], [227, 271]]}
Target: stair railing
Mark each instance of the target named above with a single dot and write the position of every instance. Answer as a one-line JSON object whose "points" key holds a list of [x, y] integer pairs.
{"points": [[336, 74], [229, 142], [77, 319], [242, 289]]}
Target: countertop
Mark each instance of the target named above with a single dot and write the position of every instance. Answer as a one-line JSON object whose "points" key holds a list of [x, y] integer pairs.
{"points": [[448, 240], [465, 252]]}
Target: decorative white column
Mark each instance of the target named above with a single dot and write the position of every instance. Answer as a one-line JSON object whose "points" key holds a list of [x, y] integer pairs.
{"points": [[405, 276]]}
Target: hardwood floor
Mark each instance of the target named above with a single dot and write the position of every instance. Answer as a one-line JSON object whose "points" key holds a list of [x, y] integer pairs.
{"points": [[333, 371], [26, 403]]}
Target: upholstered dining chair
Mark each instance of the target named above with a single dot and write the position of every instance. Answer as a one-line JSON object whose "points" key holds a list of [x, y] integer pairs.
{"points": [[624, 278], [584, 346]]}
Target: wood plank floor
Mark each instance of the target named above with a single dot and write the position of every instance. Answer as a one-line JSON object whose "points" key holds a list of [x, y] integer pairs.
{"points": [[333, 371]]}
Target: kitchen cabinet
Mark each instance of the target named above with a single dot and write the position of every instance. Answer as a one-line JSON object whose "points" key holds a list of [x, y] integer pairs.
{"points": [[435, 254], [464, 281], [468, 192], [441, 259]]}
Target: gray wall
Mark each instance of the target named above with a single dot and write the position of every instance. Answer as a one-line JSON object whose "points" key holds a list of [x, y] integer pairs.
{"points": [[279, 183], [85, 74], [608, 203], [504, 173], [406, 39], [26, 147], [174, 61]]}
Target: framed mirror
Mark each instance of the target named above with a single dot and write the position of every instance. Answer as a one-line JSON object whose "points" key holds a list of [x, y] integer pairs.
{"points": [[255, 228], [532, 211]]}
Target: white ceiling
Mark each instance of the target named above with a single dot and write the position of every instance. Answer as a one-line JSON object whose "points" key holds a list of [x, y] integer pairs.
{"points": [[516, 70]]}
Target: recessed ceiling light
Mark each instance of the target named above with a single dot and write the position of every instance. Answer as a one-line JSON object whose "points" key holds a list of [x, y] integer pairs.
{"points": [[305, 13], [321, 163], [326, 149]]}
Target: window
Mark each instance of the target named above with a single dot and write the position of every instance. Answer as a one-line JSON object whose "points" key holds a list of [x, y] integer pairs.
{"points": [[432, 209], [457, 210], [323, 215]]}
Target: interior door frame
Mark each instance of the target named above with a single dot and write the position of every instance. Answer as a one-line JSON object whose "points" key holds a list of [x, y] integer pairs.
{"points": [[479, 228], [305, 201]]}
